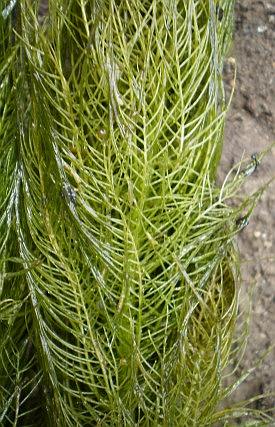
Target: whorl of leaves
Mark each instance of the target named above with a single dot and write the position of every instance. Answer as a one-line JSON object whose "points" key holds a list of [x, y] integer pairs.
{"points": [[118, 272]]}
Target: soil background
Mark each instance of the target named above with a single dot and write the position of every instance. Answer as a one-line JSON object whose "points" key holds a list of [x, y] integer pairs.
{"points": [[249, 130]]}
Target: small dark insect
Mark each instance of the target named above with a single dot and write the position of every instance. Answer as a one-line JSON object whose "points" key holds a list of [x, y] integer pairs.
{"points": [[252, 166], [219, 13], [255, 160], [242, 222]]}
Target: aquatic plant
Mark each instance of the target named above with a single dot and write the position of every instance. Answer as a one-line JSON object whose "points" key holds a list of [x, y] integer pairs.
{"points": [[119, 275]]}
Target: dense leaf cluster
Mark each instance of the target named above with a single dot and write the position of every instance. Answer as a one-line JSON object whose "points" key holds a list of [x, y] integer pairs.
{"points": [[118, 276]]}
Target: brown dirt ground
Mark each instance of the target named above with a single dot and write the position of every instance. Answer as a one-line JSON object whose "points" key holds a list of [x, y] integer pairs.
{"points": [[250, 129]]}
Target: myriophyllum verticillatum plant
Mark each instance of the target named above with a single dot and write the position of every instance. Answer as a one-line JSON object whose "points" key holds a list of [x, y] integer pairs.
{"points": [[118, 270]]}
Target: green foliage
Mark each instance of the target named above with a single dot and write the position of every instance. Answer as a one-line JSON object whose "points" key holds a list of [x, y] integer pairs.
{"points": [[118, 271]]}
